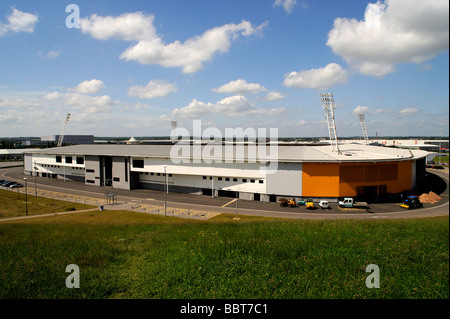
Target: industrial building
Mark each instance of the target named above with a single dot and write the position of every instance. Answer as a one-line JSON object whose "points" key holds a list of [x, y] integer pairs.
{"points": [[69, 139], [302, 170]]}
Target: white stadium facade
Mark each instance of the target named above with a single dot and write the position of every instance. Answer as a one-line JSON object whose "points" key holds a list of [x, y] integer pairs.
{"points": [[264, 173]]}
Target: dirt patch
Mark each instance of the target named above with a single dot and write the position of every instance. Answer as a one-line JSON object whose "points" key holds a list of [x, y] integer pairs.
{"points": [[430, 198]]}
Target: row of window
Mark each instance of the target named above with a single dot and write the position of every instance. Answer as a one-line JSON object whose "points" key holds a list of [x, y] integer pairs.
{"points": [[57, 166], [79, 160], [228, 179], [156, 174]]}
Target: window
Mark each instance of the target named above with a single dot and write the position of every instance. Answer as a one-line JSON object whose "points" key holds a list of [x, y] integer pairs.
{"points": [[80, 160], [138, 163], [58, 159], [252, 181], [89, 170], [90, 181], [116, 179], [219, 178], [261, 181], [244, 180], [227, 179], [69, 159], [158, 174], [235, 180], [204, 177]]}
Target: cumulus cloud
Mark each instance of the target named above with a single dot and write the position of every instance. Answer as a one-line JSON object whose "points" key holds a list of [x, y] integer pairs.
{"points": [[150, 47], [81, 102], [52, 54], [232, 106], [88, 87], [364, 109], [240, 86], [274, 96], [319, 79], [393, 31], [18, 21], [288, 5], [409, 111], [153, 89]]}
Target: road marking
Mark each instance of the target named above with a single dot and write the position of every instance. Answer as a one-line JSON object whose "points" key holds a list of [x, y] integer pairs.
{"points": [[229, 203]]}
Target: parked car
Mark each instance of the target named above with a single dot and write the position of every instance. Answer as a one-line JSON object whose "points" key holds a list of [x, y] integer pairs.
{"points": [[6, 183], [324, 204], [15, 185]]}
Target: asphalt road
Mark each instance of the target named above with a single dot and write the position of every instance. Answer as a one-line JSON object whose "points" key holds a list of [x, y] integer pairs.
{"points": [[228, 205]]}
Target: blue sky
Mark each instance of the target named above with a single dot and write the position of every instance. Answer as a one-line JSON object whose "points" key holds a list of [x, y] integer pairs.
{"points": [[134, 66]]}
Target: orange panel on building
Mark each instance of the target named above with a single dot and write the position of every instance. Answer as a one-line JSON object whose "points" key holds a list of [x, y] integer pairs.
{"points": [[320, 179], [342, 180]]}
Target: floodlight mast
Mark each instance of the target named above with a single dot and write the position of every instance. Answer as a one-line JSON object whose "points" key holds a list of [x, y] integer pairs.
{"points": [[329, 106], [362, 120], [61, 136], [172, 135]]}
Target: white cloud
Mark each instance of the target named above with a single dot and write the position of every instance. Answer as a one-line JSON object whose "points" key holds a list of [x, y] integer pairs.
{"points": [[18, 21], [52, 54], [274, 96], [364, 109], [127, 26], [232, 106], [319, 79], [409, 111], [393, 31], [150, 48], [88, 87], [153, 89], [85, 104], [288, 5], [240, 86]]}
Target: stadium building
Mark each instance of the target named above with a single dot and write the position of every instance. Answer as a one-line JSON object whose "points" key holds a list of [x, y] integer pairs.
{"points": [[297, 170]]}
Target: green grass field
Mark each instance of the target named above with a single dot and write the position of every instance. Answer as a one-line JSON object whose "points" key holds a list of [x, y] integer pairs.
{"points": [[125, 254], [12, 204]]}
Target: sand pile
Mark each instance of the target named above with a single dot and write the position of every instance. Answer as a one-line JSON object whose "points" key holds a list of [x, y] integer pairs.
{"points": [[431, 198]]}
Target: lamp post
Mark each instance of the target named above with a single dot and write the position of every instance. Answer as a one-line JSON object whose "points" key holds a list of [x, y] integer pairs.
{"points": [[165, 185], [237, 199], [35, 174], [26, 198]]}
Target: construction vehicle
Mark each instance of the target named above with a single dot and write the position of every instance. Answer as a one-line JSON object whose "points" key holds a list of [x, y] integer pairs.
{"points": [[284, 202], [349, 203], [412, 202], [310, 204]]}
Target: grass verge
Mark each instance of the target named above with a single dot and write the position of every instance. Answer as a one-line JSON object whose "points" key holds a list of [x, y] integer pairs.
{"points": [[125, 254], [13, 204]]}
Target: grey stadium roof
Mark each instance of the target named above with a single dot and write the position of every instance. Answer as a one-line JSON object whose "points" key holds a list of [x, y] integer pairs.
{"points": [[281, 153]]}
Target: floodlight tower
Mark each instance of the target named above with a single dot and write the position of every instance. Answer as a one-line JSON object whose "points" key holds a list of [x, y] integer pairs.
{"points": [[174, 126], [61, 136], [362, 120], [329, 106]]}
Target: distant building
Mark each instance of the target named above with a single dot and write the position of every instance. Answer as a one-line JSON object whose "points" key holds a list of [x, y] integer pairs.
{"points": [[70, 139]]}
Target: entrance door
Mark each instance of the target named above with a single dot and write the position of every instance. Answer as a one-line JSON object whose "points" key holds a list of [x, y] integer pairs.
{"points": [[371, 193]]}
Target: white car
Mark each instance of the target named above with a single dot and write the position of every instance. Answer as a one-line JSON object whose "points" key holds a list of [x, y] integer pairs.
{"points": [[323, 204]]}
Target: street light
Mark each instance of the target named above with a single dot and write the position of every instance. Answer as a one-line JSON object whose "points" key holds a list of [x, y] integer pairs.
{"points": [[165, 184], [35, 174], [26, 198]]}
